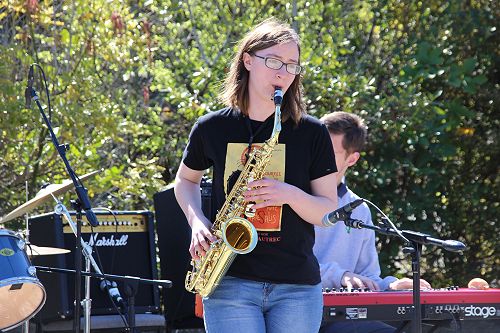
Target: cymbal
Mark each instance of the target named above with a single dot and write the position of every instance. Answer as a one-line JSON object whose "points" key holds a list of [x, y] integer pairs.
{"points": [[33, 250], [42, 196]]}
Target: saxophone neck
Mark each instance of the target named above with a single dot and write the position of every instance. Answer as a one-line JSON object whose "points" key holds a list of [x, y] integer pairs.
{"points": [[277, 121]]}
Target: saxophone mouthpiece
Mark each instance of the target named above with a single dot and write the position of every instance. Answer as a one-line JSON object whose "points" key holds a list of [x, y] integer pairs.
{"points": [[278, 96]]}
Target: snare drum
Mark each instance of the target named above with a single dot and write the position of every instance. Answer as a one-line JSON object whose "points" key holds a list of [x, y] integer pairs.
{"points": [[21, 293]]}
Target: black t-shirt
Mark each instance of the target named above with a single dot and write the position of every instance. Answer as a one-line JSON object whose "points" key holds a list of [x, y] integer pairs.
{"points": [[304, 152]]}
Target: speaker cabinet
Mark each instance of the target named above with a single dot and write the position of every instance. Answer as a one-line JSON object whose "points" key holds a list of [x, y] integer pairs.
{"points": [[174, 237], [124, 246]]}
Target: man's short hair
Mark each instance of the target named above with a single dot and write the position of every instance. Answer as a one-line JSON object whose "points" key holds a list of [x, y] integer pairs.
{"points": [[351, 126]]}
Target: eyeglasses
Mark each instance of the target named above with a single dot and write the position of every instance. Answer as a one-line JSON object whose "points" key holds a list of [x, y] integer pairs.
{"points": [[274, 63]]}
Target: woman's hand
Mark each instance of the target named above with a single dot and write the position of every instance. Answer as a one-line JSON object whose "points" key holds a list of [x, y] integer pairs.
{"points": [[269, 192], [201, 237]]}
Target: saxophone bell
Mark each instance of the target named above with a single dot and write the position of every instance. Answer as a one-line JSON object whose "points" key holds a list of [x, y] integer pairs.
{"points": [[239, 235]]}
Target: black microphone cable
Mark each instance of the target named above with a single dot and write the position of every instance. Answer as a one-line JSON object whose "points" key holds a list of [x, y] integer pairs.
{"points": [[29, 89], [388, 220]]}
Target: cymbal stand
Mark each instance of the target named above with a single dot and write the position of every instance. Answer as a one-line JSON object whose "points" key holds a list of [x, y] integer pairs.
{"points": [[26, 326], [86, 250], [79, 245], [27, 230], [87, 301]]}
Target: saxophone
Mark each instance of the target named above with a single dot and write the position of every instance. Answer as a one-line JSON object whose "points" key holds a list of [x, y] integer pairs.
{"points": [[235, 234]]}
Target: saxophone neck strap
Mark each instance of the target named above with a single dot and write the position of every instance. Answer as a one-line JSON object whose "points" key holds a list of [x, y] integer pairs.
{"points": [[253, 135]]}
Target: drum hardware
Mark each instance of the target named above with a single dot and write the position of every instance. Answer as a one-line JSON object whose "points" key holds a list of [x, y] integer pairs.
{"points": [[34, 250], [19, 286], [26, 325], [31, 249], [42, 196], [21, 293]]}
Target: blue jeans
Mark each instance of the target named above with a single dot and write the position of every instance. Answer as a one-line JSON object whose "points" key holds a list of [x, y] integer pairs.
{"points": [[245, 306]]}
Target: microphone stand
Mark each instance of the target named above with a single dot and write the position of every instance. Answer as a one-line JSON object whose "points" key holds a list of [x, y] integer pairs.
{"points": [[89, 260], [131, 287], [416, 239], [83, 202], [78, 268], [130, 282], [87, 301]]}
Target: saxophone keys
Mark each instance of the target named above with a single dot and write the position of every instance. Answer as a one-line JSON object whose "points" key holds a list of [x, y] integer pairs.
{"points": [[250, 211], [251, 177], [248, 188], [197, 265]]}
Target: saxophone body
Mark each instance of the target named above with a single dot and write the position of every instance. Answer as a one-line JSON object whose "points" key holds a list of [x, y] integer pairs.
{"points": [[235, 234]]}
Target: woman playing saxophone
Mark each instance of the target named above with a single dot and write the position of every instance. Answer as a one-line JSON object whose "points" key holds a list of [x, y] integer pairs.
{"points": [[275, 287]]}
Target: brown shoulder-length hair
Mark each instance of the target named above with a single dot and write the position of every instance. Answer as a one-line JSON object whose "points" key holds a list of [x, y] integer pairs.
{"points": [[235, 89]]}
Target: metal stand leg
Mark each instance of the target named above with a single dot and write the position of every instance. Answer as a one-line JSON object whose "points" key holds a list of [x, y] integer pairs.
{"points": [[87, 302], [26, 327]]}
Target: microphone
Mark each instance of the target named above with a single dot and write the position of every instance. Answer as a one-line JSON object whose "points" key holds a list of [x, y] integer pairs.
{"points": [[340, 214], [113, 292], [453, 245], [29, 88], [89, 213], [278, 96], [81, 191]]}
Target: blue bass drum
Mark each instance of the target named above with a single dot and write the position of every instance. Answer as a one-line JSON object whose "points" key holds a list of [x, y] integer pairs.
{"points": [[21, 293]]}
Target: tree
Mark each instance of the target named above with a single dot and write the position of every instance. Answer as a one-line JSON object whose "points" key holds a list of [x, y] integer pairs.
{"points": [[128, 84]]}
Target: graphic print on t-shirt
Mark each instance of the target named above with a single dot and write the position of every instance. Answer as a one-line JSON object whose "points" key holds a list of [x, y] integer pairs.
{"points": [[268, 218]]}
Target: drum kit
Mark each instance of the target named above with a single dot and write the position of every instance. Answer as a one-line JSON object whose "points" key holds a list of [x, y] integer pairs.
{"points": [[21, 293]]}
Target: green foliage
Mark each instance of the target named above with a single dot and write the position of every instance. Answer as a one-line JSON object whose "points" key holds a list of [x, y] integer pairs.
{"points": [[128, 79]]}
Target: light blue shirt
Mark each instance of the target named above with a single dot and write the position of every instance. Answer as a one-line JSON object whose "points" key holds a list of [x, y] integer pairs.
{"points": [[339, 251]]}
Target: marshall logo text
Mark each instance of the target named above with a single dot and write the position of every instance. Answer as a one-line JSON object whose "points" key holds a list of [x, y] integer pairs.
{"points": [[107, 241]]}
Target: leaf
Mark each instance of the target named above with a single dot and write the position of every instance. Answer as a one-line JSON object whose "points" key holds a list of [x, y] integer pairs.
{"points": [[435, 56], [469, 65], [439, 110], [316, 60], [65, 36], [454, 81], [437, 94], [423, 52], [445, 150], [479, 80], [457, 108]]}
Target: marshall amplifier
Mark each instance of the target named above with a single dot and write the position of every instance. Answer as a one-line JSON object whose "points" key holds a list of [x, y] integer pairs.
{"points": [[124, 246]]}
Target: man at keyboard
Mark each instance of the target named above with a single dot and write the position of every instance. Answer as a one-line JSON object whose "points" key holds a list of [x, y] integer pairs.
{"points": [[348, 258]]}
